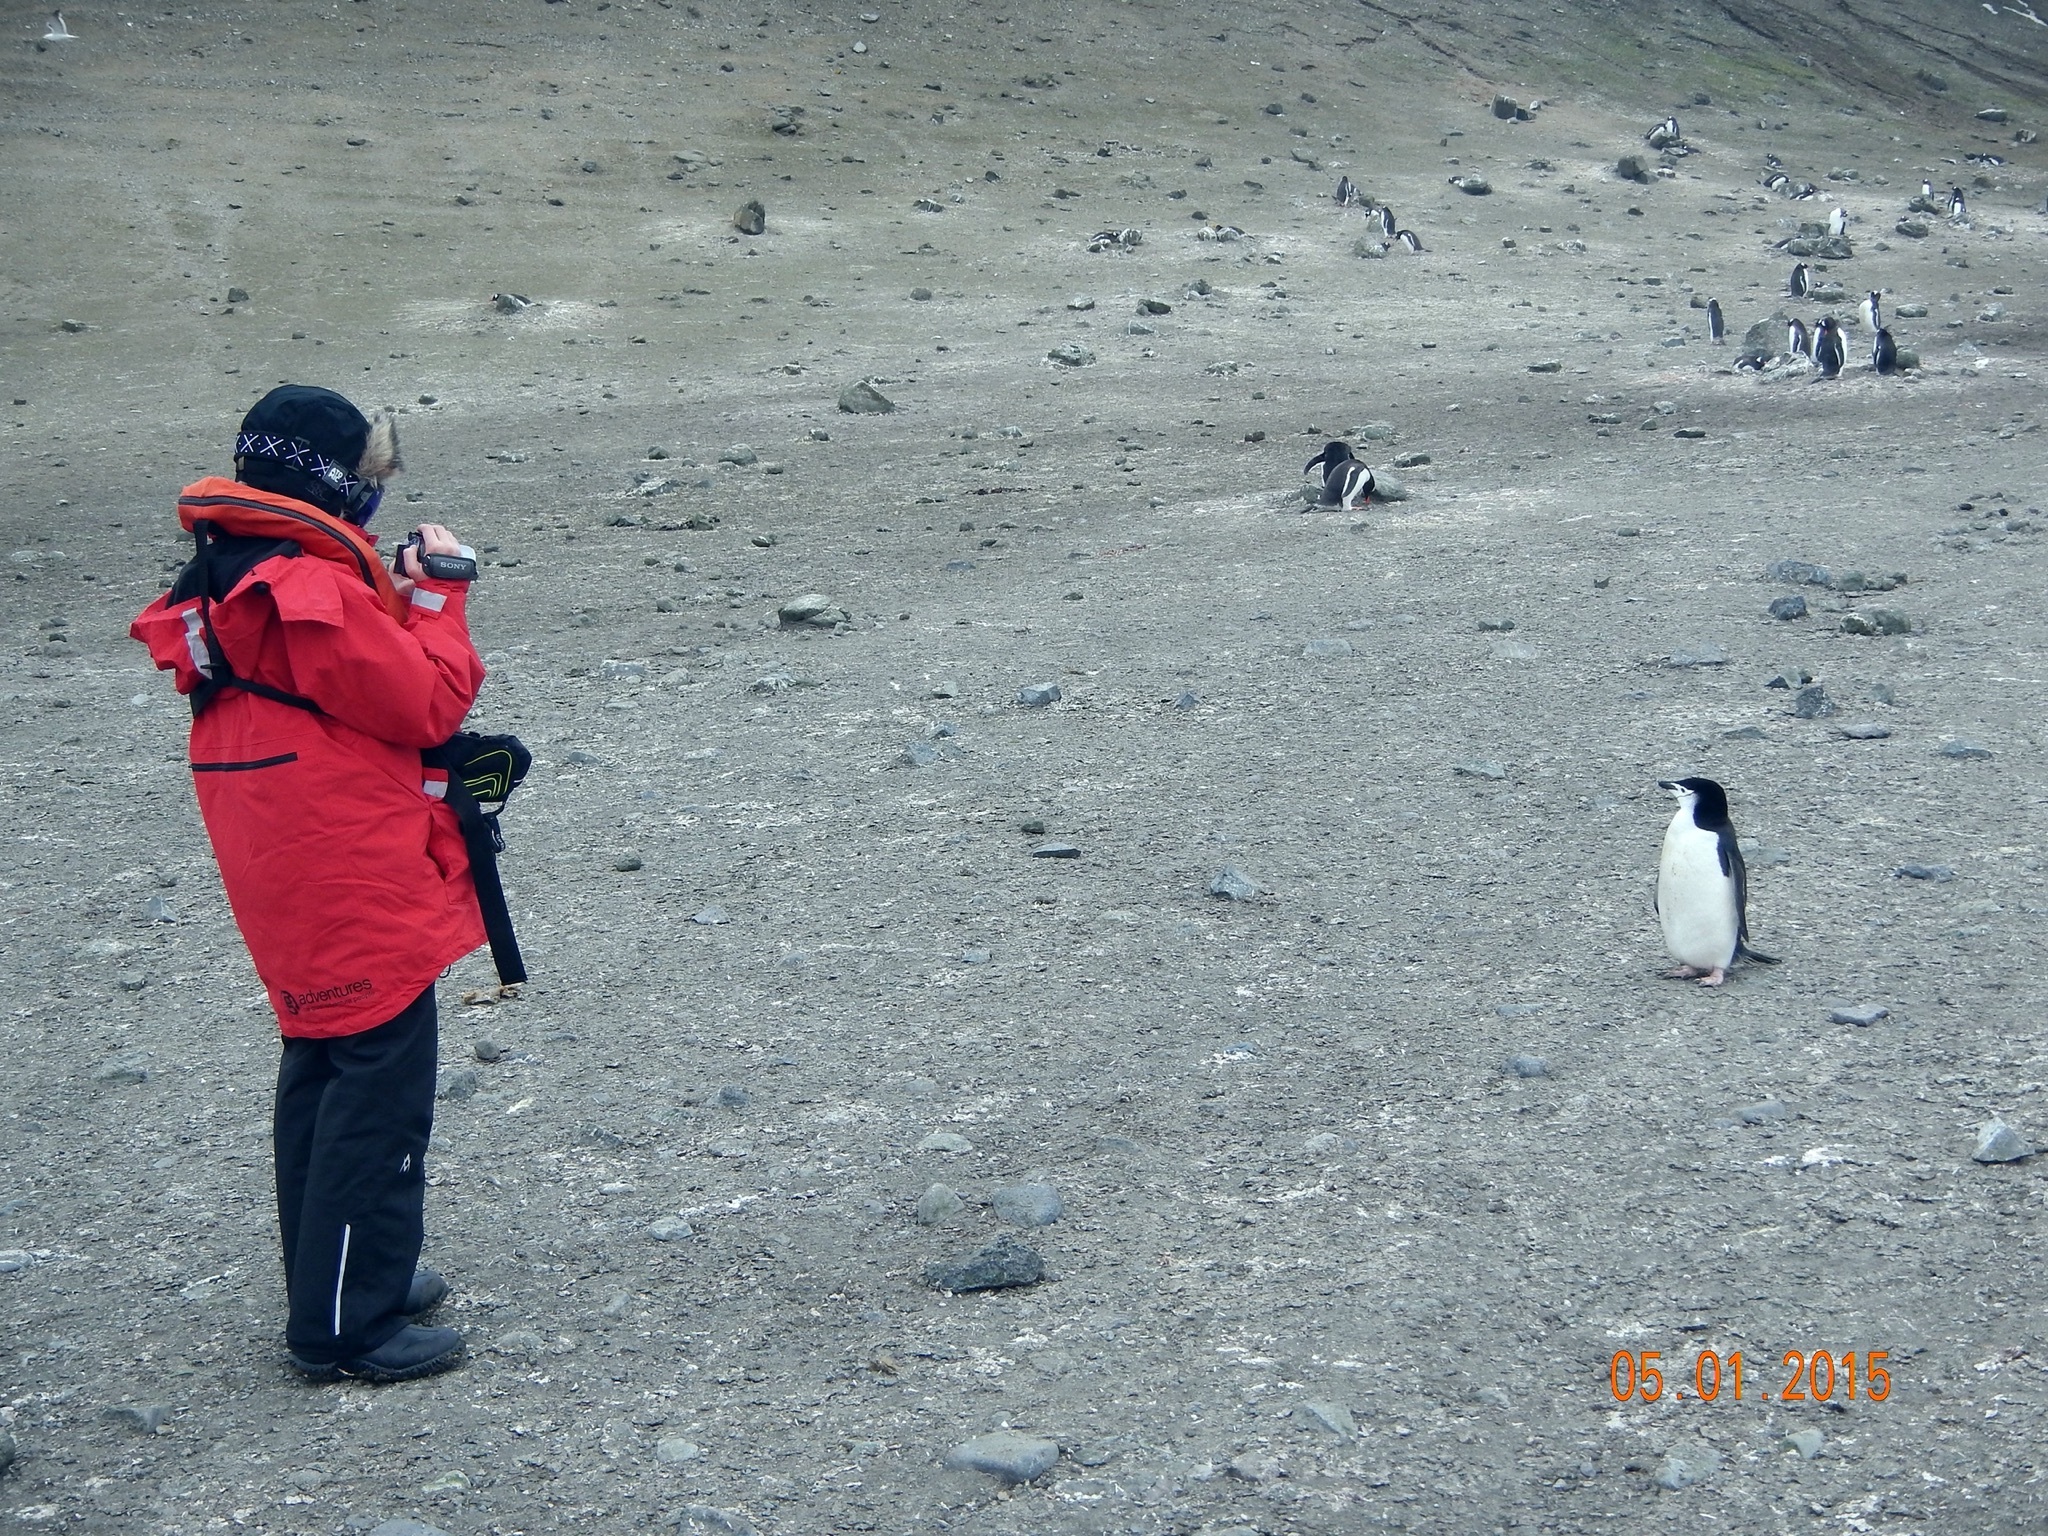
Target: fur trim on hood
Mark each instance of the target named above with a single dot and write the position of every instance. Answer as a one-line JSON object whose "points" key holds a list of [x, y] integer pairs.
{"points": [[380, 454]]}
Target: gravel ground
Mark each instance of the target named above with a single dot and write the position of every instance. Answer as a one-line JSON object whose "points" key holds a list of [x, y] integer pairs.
{"points": [[845, 955]]}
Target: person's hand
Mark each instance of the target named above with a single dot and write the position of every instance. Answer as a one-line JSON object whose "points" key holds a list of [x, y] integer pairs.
{"points": [[434, 540]]}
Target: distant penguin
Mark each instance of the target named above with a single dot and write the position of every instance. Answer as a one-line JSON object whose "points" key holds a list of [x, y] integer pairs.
{"points": [[1716, 327], [1384, 217], [1873, 312], [1776, 181], [1346, 194], [1797, 341], [1838, 221], [1884, 352], [1800, 283], [1409, 240], [1957, 208], [1927, 190], [1800, 191], [57, 32], [1665, 134], [1346, 480], [1828, 351], [1702, 887]]}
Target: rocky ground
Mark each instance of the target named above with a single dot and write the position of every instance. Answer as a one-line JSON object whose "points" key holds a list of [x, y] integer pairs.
{"points": [[849, 961]]}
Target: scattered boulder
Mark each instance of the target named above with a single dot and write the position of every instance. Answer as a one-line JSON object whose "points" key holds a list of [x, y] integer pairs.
{"points": [[863, 399], [750, 218], [1998, 1142]]}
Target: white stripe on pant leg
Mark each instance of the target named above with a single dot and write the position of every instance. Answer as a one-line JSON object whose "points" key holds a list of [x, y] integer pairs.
{"points": [[340, 1274]]}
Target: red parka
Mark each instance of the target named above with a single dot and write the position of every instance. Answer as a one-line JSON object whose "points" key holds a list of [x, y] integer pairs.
{"points": [[347, 874]]}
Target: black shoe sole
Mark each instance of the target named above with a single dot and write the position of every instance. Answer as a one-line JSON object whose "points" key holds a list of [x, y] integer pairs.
{"points": [[365, 1370]]}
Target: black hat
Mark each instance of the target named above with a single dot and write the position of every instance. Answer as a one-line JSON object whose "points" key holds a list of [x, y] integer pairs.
{"points": [[311, 443]]}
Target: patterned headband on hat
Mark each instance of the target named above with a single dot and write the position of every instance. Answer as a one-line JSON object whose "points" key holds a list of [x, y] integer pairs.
{"points": [[350, 487]]}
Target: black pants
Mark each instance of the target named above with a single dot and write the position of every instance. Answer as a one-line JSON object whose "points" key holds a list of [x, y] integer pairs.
{"points": [[352, 1120]]}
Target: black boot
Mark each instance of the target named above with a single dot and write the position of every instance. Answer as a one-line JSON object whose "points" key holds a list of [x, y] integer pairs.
{"points": [[411, 1352], [427, 1291]]}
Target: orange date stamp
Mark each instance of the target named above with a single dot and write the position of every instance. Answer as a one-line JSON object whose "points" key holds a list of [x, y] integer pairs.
{"points": [[1816, 1376]]}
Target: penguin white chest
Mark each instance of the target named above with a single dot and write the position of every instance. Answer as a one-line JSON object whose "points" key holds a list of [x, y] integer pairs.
{"points": [[1695, 899]]}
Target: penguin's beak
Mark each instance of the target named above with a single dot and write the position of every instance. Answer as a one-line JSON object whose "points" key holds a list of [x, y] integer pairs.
{"points": [[1671, 786]]}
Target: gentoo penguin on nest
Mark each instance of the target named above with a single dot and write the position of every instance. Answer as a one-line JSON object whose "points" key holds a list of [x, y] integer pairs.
{"points": [[1873, 312], [1383, 216], [1797, 342], [1702, 888], [1957, 208], [1884, 352], [1409, 239], [1346, 481], [1665, 134], [1838, 220], [1716, 327], [1776, 181], [1828, 351], [1800, 283], [1346, 193]]}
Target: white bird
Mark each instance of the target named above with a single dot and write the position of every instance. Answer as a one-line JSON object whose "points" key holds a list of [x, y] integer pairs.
{"points": [[59, 33]]}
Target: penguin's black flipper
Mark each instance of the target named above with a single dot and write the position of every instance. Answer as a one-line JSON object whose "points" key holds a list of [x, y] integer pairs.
{"points": [[1731, 864]]}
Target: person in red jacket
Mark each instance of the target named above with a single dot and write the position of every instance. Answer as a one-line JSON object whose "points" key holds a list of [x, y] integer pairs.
{"points": [[316, 677]]}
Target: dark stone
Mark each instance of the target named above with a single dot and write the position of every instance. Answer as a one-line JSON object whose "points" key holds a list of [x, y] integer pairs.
{"points": [[1001, 1265], [1791, 607]]}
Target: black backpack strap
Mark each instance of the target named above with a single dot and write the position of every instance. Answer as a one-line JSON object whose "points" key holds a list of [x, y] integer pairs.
{"points": [[220, 674], [481, 836]]}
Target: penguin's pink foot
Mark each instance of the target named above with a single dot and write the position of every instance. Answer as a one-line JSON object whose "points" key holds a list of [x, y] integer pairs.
{"points": [[1683, 973], [1715, 977]]}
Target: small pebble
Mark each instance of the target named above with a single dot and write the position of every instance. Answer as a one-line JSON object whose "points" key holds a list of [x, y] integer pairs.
{"points": [[1325, 650], [626, 863], [710, 917], [457, 1085], [1807, 1442], [670, 1229], [1528, 1066], [1233, 884], [673, 1453], [1055, 851], [1028, 1205], [1480, 768], [1863, 732], [1039, 695], [1964, 750], [487, 1050], [1769, 1111], [1789, 607], [1334, 1418], [937, 1203], [945, 1141], [1012, 1457], [1862, 1017], [1939, 874], [1998, 1142], [143, 1418]]}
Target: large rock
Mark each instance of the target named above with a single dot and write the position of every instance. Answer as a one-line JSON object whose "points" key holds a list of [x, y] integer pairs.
{"points": [[1002, 1264], [750, 218], [863, 399]]}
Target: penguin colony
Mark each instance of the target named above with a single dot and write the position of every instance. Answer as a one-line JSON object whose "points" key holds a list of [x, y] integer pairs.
{"points": [[1702, 896]]}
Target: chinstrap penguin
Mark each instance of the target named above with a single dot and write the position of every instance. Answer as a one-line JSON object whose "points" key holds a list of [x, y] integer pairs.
{"points": [[1346, 480], [1702, 887]]}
